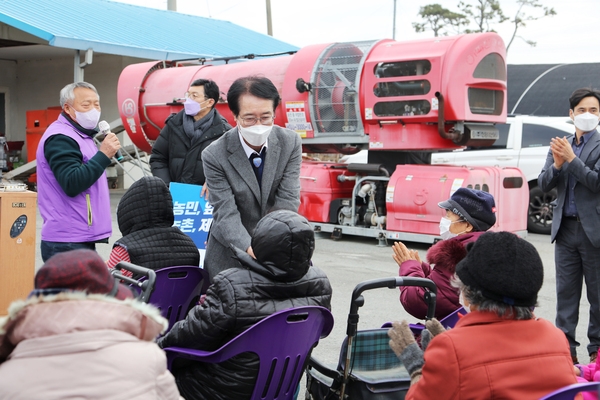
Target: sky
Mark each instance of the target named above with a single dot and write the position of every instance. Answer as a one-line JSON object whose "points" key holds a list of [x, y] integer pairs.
{"points": [[571, 36]]}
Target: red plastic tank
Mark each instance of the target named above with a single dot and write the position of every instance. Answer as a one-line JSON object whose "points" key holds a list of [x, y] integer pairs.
{"points": [[414, 191], [319, 187]]}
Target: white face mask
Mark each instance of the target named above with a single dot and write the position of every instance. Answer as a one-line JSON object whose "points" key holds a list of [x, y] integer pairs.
{"points": [[461, 300], [256, 135], [88, 119], [445, 229], [586, 122]]}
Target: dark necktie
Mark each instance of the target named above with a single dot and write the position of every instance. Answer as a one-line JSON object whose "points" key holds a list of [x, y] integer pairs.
{"points": [[258, 162]]}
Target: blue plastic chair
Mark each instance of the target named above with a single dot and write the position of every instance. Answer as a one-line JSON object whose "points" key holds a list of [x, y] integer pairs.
{"points": [[569, 392], [173, 290], [282, 342]]}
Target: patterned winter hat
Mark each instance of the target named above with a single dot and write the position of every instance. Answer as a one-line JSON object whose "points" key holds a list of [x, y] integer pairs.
{"points": [[78, 270], [475, 206]]}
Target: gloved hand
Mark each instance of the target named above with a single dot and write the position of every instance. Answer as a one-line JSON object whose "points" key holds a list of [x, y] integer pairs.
{"points": [[432, 328], [403, 343]]}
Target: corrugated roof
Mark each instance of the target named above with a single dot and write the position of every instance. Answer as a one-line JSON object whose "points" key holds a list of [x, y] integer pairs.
{"points": [[128, 30]]}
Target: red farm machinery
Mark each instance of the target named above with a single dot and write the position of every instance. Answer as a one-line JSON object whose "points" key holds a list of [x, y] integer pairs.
{"points": [[401, 101]]}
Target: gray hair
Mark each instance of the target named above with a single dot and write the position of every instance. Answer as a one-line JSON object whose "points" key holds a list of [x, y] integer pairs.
{"points": [[67, 94], [476, 297]]}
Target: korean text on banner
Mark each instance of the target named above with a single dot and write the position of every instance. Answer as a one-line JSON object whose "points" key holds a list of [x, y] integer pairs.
{"points": [[193, 214]]}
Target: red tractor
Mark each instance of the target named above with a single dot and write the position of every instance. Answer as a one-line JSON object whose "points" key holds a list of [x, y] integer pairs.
{"points": [[400, 100]]}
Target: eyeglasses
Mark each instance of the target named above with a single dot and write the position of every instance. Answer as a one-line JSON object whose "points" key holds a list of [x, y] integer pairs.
{"points": [[265, 120], [195, 96]]}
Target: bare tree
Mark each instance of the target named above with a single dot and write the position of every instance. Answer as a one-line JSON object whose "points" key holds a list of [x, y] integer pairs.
{"points": [[437, 18], [482, 15], [521, 17]]}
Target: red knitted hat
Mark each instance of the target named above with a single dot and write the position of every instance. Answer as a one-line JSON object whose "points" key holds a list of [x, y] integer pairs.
{"points": [[79, 270]]}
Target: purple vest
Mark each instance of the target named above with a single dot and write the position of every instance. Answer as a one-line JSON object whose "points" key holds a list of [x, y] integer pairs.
{"points": [[83, 218]]}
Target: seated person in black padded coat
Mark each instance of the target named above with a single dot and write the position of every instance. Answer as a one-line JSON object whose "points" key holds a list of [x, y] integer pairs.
{"points": [[280, 277]]}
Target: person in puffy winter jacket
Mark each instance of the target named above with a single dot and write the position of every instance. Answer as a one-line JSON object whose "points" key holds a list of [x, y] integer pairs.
{"points": [[469, 213], [588, 373], [280, 277], [145, 217], [81, 335]]}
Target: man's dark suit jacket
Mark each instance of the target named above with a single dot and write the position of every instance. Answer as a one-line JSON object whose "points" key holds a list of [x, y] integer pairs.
{"points": [[587, 188]]}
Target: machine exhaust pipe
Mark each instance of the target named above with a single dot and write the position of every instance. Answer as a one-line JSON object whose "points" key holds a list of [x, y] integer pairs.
{"points": [[454, 136]]}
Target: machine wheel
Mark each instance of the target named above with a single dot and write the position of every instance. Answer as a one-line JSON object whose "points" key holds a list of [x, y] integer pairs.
{"points": [[340, 217], [540, 212]]}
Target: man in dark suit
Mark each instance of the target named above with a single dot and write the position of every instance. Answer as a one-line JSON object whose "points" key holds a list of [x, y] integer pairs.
{"points": [[252, 169], [572, 168]]}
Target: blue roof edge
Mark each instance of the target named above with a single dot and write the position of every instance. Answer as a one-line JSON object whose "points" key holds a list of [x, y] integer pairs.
{"points": [[127, 51], [20, 25]]}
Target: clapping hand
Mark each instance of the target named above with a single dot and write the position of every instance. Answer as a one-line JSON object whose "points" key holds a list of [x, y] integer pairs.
{"points": [[562, 151], [403, 343], [402, 253], [432, 329]]}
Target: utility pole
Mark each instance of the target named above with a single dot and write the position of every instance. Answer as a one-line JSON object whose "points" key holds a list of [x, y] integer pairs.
{"points": [[269, 23], [394, 29], [172, 5]]}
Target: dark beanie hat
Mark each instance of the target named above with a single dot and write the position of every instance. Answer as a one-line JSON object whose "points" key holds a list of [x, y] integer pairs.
{"points": [[475, 206], [78, 270], [504, 267]]}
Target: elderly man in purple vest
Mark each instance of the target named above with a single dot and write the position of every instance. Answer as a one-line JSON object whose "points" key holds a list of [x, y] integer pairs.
{"points": [[72, 186]]}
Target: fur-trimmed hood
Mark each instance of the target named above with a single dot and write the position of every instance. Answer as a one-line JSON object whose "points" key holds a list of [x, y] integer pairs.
{"points": [[447, 253], [71, 312]]}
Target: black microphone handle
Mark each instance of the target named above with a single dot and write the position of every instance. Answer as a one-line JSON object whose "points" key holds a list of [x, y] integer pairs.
{"points": [[119, 155]]}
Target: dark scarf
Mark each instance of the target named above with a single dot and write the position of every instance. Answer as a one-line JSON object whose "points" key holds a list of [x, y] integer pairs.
{"points": [[194, 129]]}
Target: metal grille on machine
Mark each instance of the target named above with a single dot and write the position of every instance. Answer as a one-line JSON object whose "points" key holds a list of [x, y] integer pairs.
{"points": [[334, 100]]}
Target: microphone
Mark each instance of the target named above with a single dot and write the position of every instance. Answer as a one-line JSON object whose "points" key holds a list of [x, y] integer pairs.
{"points": [[104, 128]]}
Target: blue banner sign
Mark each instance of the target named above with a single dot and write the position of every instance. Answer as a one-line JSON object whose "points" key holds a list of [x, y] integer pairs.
{"points": [[193, 214]]}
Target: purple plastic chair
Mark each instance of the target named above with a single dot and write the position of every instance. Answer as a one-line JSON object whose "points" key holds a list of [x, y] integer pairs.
{"points": [[282, 341], [569, 392], [173, 290], [177, 289], [447, 322]]}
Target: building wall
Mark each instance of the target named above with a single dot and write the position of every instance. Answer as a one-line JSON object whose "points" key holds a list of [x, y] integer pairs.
{"points": [[8, 86]]}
